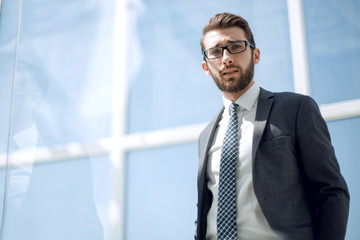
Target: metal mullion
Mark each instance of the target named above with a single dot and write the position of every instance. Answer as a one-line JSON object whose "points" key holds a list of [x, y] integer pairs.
{"points": [[298, 47], [118, 123]]}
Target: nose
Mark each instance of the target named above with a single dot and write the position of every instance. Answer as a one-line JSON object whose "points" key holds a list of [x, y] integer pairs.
{"points": [[227, 57]]}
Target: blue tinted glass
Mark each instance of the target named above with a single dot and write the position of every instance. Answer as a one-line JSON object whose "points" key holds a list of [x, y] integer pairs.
{"points": [[161, 193], [168, 86], [64, 65], [8, 27], [2, 191], [56, 59], [57, 200], [345, 136], [333, 38]]}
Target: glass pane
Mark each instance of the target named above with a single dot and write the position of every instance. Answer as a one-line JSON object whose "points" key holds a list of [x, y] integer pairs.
{"points": [[333, 38], [64, 67], [345, 136], [59, 72], [168, 86], [58, 200], [161, 193], [2, 191], [8, 27]]}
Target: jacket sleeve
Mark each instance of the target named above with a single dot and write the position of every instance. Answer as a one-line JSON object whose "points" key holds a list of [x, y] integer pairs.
{"points": [[328, 190]]}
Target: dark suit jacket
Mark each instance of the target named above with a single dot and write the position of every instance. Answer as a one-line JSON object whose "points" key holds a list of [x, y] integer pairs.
{"points": [[296, 176]]}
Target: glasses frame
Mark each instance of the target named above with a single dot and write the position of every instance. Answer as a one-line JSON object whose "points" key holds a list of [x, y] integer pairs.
{"points": [[247, 43]]}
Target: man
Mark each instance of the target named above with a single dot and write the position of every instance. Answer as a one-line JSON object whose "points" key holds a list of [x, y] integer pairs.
{"points": [[272, 174]]}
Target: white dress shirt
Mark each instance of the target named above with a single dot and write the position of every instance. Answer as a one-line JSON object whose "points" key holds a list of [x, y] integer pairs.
{"points": [[251, 223]]}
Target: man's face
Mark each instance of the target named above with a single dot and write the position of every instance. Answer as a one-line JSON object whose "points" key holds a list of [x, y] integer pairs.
{"points": [[232, 73]]}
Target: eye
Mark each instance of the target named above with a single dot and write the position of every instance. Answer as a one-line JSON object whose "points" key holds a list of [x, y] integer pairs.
{"points": [[236, 46], [215, 51]]}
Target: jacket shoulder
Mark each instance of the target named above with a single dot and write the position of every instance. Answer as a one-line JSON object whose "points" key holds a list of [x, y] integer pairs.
{"points": [[288, 98]]}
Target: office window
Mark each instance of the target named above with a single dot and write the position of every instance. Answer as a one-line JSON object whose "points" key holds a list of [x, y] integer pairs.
{"points": [[333, 39], [102, 103], [161, 194], [168, 87], [344, 136]]}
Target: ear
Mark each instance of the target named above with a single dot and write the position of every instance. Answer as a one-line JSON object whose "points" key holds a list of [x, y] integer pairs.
{"points": [[256, 56], [205, 67]]}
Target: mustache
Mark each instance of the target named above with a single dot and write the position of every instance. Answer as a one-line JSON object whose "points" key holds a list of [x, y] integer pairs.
{"points": [[230, 66]]}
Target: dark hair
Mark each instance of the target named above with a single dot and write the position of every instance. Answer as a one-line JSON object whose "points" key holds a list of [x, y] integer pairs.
{"points": [[227, 20]]}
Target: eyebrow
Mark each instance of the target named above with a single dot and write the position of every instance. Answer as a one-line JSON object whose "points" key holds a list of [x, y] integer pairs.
{"points": [[227, 43]]}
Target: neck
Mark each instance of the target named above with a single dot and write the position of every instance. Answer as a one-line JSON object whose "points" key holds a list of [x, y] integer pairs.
{"points": [[233, 96]]}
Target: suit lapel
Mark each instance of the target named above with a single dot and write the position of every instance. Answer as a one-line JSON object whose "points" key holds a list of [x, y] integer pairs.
{"points": [[204, 198], [265, 102], [205, 142]]}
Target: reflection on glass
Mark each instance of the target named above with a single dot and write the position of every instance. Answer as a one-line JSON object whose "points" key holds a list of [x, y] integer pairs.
{"points": [[333, 36], [50, 200], [57, 204], [29, 92], [59, 60]]}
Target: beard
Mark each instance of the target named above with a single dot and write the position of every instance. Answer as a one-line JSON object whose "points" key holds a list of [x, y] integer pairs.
{"points": [[235, 84]]}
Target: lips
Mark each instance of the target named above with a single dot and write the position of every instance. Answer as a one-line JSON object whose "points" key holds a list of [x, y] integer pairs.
{"points": [[229, 72]]}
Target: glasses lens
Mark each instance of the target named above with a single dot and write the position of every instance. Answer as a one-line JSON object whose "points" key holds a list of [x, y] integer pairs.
{"points": [[237, 47], [214, 53]]}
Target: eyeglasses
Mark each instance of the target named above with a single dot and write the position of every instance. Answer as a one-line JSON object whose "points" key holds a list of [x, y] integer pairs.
{"points": [[233, 48]]}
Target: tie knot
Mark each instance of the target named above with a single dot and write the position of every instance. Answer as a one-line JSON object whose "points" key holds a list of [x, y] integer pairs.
{"points": [[233, 108]]}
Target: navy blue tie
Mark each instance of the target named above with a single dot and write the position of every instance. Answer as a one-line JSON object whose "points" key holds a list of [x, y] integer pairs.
{"points": [[226, 216]]}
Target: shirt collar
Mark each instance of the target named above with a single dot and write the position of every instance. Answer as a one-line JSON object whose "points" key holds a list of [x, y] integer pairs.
{"points": [[246, 100]]}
